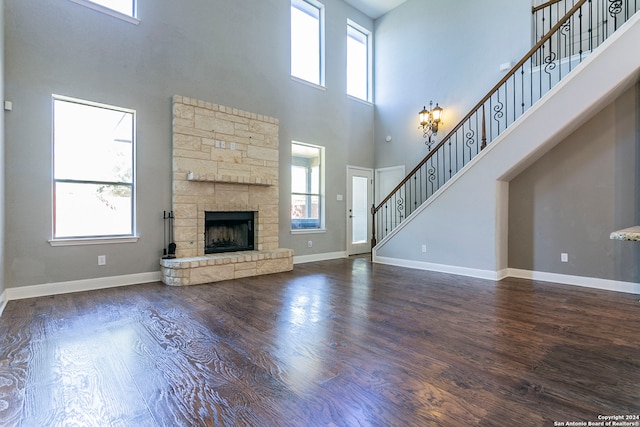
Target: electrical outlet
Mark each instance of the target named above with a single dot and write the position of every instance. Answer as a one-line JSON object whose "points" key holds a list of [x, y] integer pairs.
{"points": [[102, 260], [424, 249], [310, 243], [564, 257]]}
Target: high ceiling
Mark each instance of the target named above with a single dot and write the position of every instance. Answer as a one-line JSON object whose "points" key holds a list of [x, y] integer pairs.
{"points": [[375, 8]]}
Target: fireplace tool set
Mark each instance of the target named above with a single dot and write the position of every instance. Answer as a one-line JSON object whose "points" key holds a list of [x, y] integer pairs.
{"points": [[169, 251]]}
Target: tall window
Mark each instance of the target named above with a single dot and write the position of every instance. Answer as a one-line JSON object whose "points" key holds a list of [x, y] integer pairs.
{"points": [[93, 169], [358, 61], [307, 41], [307, 176], [125, 7]]}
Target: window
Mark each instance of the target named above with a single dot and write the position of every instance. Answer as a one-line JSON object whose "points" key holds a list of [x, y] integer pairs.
{"points": [[307, 182], [358, 62], [123, 9], [93, 169], [307, 44]]}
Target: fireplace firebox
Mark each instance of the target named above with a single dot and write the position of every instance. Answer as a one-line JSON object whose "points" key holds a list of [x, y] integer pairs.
{"points": [[228, 232]]}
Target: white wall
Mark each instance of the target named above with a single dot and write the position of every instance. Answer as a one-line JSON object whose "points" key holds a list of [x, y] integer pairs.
{"points": [[233, 53]]}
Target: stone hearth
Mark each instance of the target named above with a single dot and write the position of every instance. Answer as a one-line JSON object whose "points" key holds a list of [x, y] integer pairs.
{"points": [[224, 160]]}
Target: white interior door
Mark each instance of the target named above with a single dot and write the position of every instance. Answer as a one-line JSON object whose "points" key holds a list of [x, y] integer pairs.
{"points": [[359, 201]]}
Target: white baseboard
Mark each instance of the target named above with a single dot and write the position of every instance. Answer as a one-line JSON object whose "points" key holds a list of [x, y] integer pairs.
{"points": [[441, 268], [587, 282], [301, 259], [563, 279], [502, 274], [3, 301], [47, 289]]}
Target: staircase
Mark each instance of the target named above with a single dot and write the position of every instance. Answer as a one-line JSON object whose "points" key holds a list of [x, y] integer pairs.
{"points": [[457, 196]]}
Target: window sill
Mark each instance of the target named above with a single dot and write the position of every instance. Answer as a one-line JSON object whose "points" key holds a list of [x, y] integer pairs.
{"points": [[93, 241], [363, 101], [309, 231], [107, 11], [308, 83]]}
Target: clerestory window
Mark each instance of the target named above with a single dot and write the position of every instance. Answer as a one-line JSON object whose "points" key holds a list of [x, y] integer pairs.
{"points": [[358, 61], [307, 41]]}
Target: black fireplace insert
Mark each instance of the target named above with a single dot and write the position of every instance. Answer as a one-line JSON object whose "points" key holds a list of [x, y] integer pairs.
{"points": [[228, 232]]}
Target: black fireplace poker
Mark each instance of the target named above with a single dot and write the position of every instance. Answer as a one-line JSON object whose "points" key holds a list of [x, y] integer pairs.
{"points": [[169, 251]]}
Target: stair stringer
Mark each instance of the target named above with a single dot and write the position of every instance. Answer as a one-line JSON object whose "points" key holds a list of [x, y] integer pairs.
{"points": [[464, 224]]}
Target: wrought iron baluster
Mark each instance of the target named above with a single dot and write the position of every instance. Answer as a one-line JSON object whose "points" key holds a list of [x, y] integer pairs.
{"points": [[541, 50], [513, 80], [590, 29], [484, 130], [439, 169], [522, 89], [580, 50], [497, 112], [615, 8], [450, 166]]}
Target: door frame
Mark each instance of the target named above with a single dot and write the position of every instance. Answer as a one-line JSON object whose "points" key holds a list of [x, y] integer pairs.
{"points": [[358, 171], [381, 174]]}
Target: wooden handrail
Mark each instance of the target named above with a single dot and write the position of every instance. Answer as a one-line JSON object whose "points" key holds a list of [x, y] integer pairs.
{"points": [[534, 9], [524, 59]]}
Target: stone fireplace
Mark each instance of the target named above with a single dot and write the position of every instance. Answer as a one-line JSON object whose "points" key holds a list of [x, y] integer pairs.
{"points": [[225, 161]]}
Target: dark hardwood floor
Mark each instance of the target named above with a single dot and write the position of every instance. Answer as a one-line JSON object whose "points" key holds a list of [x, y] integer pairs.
{"points": [[335, 343]]}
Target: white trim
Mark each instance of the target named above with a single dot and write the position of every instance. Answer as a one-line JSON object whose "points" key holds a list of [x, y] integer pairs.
{"points": [[441, 268], [502, 274], [103, 9], [562, 279], [34, 291], [93, 241], [81, 101], [3, 301], [360, 100], [308, 230], [301, 259], [360, 168], [308, 83], [587, 282]]}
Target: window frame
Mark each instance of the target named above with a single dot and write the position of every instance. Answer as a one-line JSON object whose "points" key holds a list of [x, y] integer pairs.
{"points": [[306, 6], [98, 238], [321, 190], [133, 18], [368, 35]]}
